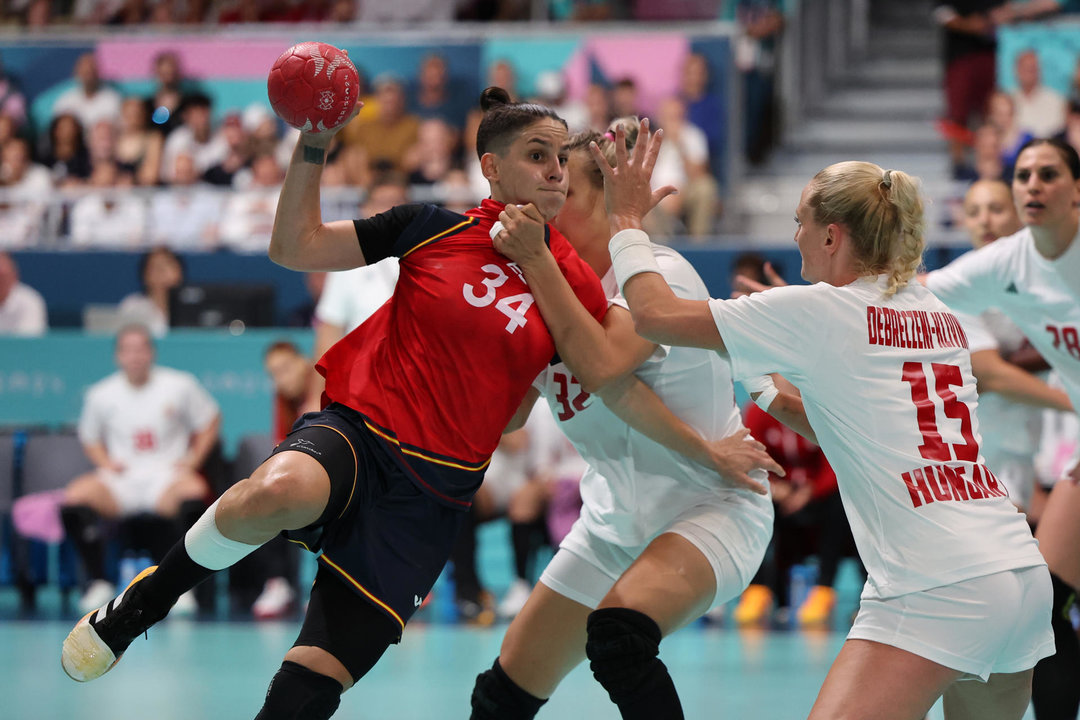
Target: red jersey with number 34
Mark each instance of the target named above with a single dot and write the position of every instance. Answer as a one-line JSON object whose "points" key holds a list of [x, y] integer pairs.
{"points": [[441, 368]]}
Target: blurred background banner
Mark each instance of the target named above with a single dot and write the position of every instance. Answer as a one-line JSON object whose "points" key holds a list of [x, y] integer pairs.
{"points": [[42, 380]]}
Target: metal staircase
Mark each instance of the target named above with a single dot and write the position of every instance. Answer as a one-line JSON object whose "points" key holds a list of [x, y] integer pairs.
{"points": [[878, 101]]}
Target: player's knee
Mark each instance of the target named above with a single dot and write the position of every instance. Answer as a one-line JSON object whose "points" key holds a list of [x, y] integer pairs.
{"points": [[298, 693], [496, 697], [622, 648], [280, 497]]}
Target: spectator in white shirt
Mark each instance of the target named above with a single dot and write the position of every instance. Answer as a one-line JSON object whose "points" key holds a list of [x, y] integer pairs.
{"points": [[248, 217], [1039, 110], [22, 309], [26, 185], [90, 100], [105, 217], [185, 216], [195, 137]]}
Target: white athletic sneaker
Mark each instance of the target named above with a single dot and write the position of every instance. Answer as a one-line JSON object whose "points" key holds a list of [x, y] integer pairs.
{"points": [[514, 599], [275, 601], [97, 594], [186, 605]]}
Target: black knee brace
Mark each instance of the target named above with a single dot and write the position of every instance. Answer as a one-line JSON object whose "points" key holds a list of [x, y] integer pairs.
{"points": [[496, 697], [622, 648], [1055, 687], [297, 693]]}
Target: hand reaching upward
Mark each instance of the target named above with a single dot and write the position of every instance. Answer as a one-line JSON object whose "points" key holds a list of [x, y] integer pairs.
{"points": [[627, 189]]}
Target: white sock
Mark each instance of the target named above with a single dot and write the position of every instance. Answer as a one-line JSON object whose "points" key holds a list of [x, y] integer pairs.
{"points": [[208, 547]]}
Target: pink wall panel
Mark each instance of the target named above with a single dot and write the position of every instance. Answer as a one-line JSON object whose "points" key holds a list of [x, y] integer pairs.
{"points": [[653, 61], [200, 58]]}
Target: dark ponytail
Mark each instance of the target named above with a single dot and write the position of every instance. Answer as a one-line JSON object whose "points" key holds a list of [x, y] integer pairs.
{"points": [[504, 119]]}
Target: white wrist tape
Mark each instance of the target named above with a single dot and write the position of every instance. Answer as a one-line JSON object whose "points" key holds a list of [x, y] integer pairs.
{"points": [[766, 389], [208, 547], [631, 254]]}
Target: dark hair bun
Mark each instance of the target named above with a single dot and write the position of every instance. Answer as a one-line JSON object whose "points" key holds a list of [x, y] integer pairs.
{"points": [[493, 97]]}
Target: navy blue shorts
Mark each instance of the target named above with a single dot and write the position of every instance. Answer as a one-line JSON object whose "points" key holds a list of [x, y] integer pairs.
{"points": [[380, 533]]}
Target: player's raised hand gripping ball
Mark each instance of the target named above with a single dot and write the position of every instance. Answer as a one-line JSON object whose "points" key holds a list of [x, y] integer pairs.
{"points": [[313, 86]]}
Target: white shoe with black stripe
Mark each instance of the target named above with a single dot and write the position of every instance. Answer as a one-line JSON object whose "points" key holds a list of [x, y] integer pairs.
{"points": [[100, 638]]}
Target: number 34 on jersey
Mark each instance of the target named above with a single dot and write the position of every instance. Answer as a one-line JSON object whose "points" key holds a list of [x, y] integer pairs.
{"points": [[486, 293]]}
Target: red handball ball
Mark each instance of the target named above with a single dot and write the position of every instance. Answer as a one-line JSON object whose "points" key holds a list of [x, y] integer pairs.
{"points": [[313, 86]]}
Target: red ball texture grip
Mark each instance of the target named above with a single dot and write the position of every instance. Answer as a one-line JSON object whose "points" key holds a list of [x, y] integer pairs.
{"points": [[313, 86]]}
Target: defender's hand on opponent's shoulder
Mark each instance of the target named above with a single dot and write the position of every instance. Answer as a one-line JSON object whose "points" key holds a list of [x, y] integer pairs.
{"points": [[736, 455], [627, 189], [522, 236]]}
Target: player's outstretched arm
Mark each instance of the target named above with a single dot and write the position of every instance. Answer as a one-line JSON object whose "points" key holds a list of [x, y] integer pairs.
{"points": [[659, 315], [995, 374], [300, 239], [778, 397], [638, 405], [788, 409]]}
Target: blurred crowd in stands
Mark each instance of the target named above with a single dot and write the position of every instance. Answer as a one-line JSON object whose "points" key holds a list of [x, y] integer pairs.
{"points": [[41, 13], [985, 125], [107, 153]]}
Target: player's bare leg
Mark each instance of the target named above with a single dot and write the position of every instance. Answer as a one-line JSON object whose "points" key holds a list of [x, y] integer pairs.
{"points": [[1056, 692], [872, 680], [188, 486], [1004, 696], [288, 491], [670, 584], [1059, 533], [545, 641]]}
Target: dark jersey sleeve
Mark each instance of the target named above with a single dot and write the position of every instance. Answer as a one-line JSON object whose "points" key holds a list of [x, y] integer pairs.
{"points": [[378, 235], [405, 227]]}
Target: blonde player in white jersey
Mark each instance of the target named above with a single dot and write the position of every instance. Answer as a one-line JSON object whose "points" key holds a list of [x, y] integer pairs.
{"points": [[956, 589], [147, 429], [1033, 277], [660, 538]]}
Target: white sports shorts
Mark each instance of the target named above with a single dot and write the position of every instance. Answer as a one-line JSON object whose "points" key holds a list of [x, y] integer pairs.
{"points": [[997, 623], [586, 566], [138, 490]]}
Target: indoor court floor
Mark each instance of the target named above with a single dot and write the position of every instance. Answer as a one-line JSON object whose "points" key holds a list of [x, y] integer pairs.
{"points": [[195, 670]]}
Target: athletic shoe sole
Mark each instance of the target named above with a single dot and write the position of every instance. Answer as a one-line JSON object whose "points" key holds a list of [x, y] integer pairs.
{"points": [[85, 656]]}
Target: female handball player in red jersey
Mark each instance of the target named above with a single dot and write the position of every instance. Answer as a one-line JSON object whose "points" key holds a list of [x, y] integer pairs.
{"points": [[416, 400]]}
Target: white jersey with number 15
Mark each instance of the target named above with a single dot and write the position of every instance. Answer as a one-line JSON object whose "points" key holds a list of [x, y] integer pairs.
{"points": [[888, 389]]}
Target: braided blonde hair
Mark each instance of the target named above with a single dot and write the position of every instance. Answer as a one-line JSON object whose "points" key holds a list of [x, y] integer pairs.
{"points": [[883, 212]]}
